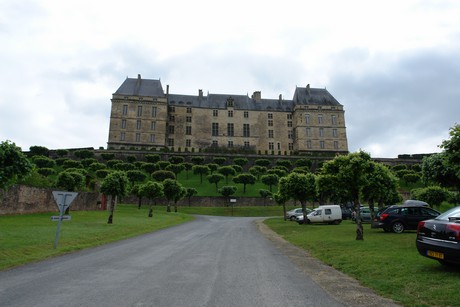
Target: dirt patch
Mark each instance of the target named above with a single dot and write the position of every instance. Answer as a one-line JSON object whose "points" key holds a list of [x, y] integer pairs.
{"points": [[344, 288]]}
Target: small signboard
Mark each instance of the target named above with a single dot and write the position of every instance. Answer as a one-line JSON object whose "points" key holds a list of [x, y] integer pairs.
{"points": [[63, 200], [233, 200]]}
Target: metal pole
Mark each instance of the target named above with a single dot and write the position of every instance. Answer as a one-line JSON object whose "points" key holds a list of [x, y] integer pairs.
{"points": [[61, 214]]}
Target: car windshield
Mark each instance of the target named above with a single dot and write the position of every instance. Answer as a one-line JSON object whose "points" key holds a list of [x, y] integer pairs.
{"points": [[454, 212]]}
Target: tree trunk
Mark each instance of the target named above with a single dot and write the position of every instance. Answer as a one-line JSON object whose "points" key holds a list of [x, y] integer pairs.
{"points": [[359, 225], [304, 212], [284, 212], [112, 209], [150, 209], [168, 207], [175, 206], [139, 203]]}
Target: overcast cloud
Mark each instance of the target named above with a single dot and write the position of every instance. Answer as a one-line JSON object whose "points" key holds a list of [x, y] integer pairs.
{"points": [[394, 65]]}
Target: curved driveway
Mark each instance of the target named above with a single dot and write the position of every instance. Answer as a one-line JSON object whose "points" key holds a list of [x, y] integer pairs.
{"points": [[212, 261]]}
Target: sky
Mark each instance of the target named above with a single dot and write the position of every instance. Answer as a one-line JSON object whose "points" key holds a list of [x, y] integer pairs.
{"points": [[394, 65]]}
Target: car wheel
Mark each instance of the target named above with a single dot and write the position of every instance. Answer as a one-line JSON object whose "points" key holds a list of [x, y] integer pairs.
{"points": [[300, 222], [337, 222], [308, 221], [292, 218], [397, 227], [386, 230]]}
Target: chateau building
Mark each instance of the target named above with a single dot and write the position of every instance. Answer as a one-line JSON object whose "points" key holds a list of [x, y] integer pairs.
{"points": [[143, 116]]}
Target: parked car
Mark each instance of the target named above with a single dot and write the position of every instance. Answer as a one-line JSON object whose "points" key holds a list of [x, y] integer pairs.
{"points": [[292, 214], [331, 214], [346, 213], [439, 238], [364, 213], [398, 218]]}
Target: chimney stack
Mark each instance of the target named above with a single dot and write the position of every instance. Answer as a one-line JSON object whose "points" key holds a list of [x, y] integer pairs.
{"points": [[257, 96], [280, 98], [200, 93]]}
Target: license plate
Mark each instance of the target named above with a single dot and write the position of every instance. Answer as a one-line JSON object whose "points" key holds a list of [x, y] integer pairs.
{"points": [[436, 255]]}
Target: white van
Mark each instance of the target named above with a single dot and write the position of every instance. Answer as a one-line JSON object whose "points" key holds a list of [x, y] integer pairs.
{"points": [[331, 214]]}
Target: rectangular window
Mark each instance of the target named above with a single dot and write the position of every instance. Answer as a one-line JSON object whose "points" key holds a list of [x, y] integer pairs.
{"points": [[246, 144], [289, 116], [123, 124], [214, 144], [230, 131], [188, 130], [188, 143], [153, 125], [246, 132], [215, 112], [230, 113], [309, 144], [270, 134], [321, 144], [307, 119], [320, 119], [152, 138], [336, 145], [138, 137], [138, 124], [271, 146], [189, 110], [172, 109], [308, 131], [188, 119], [270, 122], [171, 129], [321, 132], [270, 115], [334, 119], [125, 109], [291, 146], [290, 135], [215, 129], [172, 118], [170, 142], [139, 110], [334, 133], [246, 114], [289, 123], [154, 111], [230, 144], [122, 136], [279, 146]]}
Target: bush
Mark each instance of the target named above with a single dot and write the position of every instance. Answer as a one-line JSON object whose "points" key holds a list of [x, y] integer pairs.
{"points": [[84, 153], [43, 162]]}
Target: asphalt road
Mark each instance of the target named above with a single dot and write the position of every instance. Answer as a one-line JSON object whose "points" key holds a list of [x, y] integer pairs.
{"points": [[212, 261]]}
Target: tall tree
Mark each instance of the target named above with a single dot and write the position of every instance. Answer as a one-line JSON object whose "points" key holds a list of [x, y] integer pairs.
{"points": [[351, 172], [227, 191], [299, 187], [14, 165], [215, 179], [115, 185], [244, 179], [200, 170], [151, 190], [173, 191], [226, 171], [270, 180], [281, 199], [189, 193]]}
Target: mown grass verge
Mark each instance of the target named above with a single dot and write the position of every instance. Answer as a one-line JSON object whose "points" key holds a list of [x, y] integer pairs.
{"points": [[386, 262], [30, 237]]}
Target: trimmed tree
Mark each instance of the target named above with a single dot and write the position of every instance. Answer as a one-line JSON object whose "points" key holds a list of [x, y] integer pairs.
{"points": [[227, 191], [115, 185], [226, 171], [173, 191], [215, 179], [244, 179], [151, 190], [189, 193], [201, 170], [14, 165], [299, 187], [270, 180]]}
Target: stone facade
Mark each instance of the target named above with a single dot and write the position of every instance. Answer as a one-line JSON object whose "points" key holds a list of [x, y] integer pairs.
{"points": [[144, 117]]}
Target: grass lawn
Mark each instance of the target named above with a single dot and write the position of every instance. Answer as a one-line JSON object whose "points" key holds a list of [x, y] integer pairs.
{"points": [[30, 237], [386, 262]]}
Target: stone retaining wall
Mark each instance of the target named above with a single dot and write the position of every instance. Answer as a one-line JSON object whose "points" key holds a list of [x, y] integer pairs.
{"points": [[20, 199]]}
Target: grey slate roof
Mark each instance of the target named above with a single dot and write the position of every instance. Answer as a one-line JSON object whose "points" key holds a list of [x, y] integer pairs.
{"points": [[153, 88], [141, 87]]}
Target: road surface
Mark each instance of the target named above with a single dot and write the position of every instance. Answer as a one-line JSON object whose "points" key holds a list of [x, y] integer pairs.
{"points": [[212, 261]]}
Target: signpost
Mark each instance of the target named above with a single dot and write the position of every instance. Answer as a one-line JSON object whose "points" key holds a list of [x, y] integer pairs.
{"points": [[63, 201]]}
